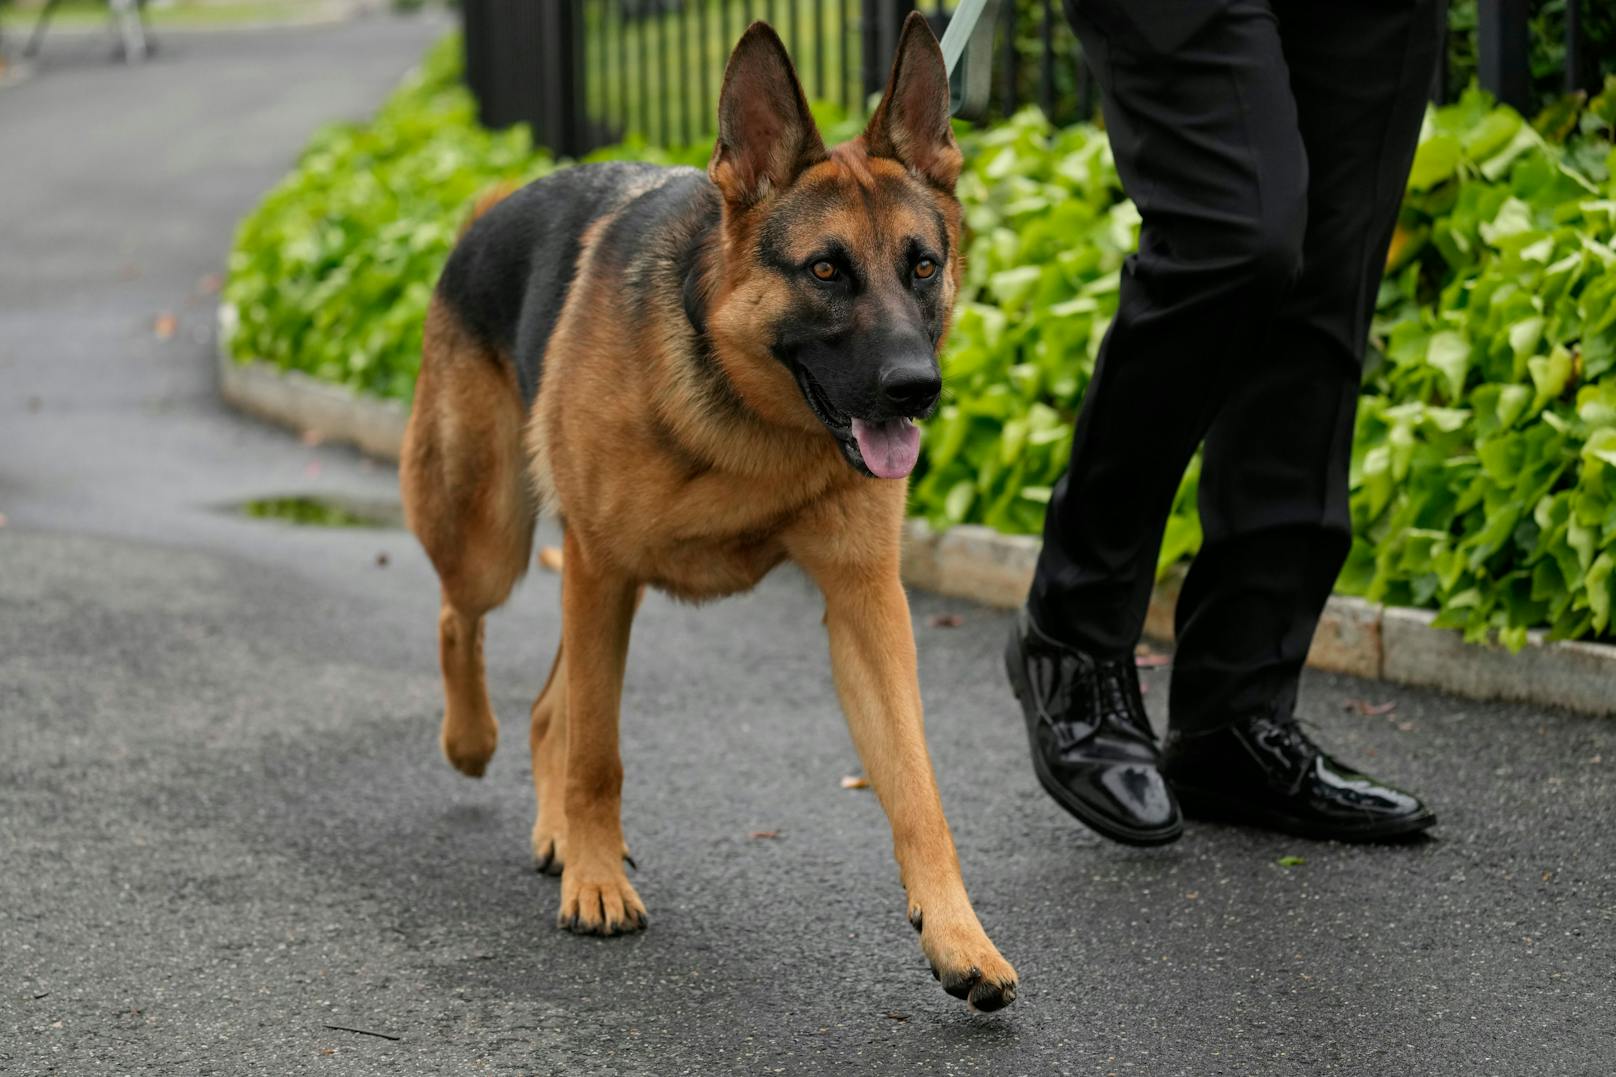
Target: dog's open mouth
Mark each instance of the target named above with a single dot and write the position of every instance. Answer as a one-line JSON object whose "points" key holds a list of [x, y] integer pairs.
{"points": [[880, 448]]}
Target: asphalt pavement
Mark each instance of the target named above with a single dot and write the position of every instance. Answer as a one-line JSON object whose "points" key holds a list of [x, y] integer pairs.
{"points": [[225, 826]]}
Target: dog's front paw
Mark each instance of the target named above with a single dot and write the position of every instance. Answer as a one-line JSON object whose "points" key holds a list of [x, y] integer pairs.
{"points": [[599, 902], [965, 961]]}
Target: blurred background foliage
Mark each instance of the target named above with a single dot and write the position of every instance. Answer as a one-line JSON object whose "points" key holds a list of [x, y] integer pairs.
{"points": [[1484, 471]]}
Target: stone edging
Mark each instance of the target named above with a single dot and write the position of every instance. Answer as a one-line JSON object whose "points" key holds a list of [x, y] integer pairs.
{"points": [[292, 398], [1356, 637]]}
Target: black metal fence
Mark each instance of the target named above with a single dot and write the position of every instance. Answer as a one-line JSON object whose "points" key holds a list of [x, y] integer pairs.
{"points": [[586, 73]]}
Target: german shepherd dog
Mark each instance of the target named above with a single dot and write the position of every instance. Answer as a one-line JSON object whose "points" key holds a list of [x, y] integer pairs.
{"points": [[703, 375]]}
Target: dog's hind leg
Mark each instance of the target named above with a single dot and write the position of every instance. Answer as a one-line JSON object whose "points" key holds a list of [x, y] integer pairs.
{"points": [[548, 739], [464, 483]]}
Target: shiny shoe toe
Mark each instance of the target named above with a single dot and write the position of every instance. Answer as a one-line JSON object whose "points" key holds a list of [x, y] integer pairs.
{"points": [[1263, 771], [1092, 746]]}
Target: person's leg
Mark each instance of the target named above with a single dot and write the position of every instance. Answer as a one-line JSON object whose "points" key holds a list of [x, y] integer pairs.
{"points": [[1273, 493], [1204, 133], [1274, 482], [1201, 122]]}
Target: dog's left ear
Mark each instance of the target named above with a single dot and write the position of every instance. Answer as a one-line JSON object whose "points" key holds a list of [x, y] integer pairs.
{"points": [[911, 124], [766, 135]]}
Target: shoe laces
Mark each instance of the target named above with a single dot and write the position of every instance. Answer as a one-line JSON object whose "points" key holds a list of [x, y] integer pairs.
{"points": [[1288, 739], [1117, 695], [1294, 732]]}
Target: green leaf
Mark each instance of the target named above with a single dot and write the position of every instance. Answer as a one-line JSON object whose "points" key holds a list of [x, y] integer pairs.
{"points": [[1449, 354], [1550, 374], [1436, 160], [1598, 583]]}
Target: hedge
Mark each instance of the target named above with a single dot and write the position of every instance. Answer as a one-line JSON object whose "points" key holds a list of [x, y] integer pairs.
{"points": [[1484, 471]]}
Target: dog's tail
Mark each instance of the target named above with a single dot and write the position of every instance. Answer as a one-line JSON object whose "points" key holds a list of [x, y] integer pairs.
{"points": [[486, 201]]}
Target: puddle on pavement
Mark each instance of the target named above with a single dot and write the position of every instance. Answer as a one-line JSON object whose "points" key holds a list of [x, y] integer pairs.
{"points": [[322, 511]]}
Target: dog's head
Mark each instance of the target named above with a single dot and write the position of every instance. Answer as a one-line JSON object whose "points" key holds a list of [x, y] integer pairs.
{"points": [[839, 267]]}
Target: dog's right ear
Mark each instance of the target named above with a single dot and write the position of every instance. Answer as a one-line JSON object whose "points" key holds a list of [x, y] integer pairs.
{"points": [[766, 136]]}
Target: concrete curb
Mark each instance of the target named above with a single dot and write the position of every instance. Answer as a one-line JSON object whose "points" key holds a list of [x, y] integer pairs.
{"points": [[1355, 637], [292, 398]]}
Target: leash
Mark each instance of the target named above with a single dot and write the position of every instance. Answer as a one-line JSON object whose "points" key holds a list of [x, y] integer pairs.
{"points": [[968, 53]]}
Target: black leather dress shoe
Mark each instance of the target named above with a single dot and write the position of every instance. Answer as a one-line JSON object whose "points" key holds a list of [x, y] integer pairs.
{"points": [[1263, 771], [1092, 746]]}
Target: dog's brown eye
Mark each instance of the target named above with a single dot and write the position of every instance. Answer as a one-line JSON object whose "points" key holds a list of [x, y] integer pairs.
{"points": [[824, 270], [925, 268]]}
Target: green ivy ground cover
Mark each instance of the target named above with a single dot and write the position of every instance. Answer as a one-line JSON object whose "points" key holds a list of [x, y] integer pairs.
{"points": [[1484, 473]]}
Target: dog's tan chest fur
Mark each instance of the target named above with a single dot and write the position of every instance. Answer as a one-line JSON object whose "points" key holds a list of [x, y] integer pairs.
{"points": [[682, 522]]}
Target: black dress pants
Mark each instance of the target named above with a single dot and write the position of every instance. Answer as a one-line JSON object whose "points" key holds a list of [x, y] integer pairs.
{"points": [[1266, 144]]}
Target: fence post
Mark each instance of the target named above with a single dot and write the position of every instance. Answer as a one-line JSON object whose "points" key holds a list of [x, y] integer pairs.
{"points": [[879, 24], [1580, 71], [560, 120], [1501, 50], [499, 61]]}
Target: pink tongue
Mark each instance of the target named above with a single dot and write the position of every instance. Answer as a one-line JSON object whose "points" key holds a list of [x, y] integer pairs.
{"points": [[890, 449]]}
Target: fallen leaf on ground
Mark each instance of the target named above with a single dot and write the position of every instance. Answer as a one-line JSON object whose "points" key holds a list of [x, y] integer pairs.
{"points": [[382, 560], [1290, 861], [947, 620], [165, 325], [855, 781], [1368, 709], [896, 1016], [764, 835], [550, 558]]}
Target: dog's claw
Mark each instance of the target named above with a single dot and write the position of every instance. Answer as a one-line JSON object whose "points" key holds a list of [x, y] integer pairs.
{"points": [[988, 996], [549, 861], [981, 995], [959, 984], [629, 860], [606, 908]]}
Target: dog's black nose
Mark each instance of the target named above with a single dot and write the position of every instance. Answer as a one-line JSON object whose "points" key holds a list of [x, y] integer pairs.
{"points": [[912, 389]]}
